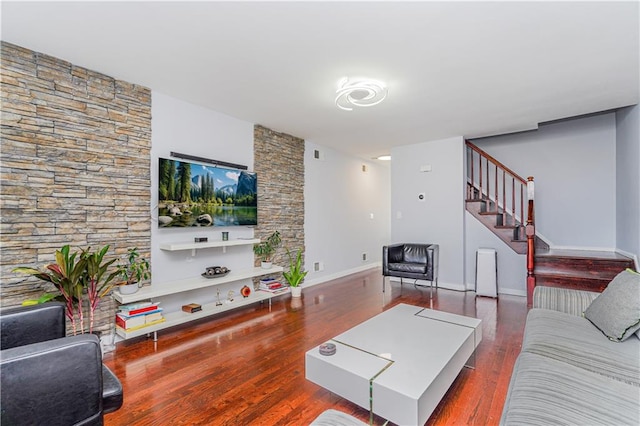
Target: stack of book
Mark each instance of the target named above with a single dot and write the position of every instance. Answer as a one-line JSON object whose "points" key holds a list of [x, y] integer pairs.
{"points": [[272, 285], [138, 315]]}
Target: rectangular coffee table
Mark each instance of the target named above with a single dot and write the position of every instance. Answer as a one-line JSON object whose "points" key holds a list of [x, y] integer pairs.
{"points": [[398, 364]]}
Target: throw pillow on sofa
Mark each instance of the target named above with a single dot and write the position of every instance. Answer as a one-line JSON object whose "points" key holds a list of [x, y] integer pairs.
{"points": [[616, 312]]}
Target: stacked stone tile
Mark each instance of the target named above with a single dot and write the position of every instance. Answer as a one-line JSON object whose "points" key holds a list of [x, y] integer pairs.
{"points": [[75, 166], [279, 162]]}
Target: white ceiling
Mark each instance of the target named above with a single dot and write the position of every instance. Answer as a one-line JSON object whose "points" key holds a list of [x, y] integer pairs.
{"points": [[452, 68]]}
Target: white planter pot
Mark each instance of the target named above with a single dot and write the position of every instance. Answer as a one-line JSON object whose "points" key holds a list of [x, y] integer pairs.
{"points": [[296, 291], [128, 288], [266, 265]]}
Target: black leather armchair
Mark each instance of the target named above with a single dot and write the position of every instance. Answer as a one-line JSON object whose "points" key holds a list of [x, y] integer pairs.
{"points": [[411, 260], [48, 378]]}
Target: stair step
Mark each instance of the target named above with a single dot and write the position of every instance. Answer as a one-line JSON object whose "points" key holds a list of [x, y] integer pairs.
{"points": [[579, 269], [575, 283], [512, 227]]}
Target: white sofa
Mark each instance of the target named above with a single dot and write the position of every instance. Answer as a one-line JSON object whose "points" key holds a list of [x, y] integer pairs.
{"points": [[568, 371]]}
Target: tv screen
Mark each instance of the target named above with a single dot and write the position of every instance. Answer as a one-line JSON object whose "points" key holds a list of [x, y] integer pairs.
{"points": [[191, 194]]}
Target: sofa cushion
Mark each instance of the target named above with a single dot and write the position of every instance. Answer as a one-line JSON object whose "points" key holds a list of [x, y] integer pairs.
{"points": [[544, 391], [616, 312], [576, 341], [414, 268], [565, 300]]}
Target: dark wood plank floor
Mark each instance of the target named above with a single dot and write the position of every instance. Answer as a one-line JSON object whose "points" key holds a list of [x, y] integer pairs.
{"points": [[246, 367]]}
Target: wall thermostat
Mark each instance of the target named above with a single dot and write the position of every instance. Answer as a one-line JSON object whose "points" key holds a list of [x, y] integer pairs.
{"points": [[421, 196]]}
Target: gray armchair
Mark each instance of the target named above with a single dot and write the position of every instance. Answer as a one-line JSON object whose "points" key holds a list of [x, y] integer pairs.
{"points": [[48, 378], [411, 260]]}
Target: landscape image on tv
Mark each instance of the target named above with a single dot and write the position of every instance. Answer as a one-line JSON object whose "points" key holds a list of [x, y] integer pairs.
{"points": [[191, 194]]}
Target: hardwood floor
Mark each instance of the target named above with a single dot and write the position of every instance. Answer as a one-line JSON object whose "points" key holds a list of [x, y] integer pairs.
{"points": [[246, 367]]}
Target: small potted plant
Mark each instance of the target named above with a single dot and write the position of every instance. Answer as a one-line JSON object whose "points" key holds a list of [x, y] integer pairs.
{"points": [[295, 275], [267, 248], [134, 272]]}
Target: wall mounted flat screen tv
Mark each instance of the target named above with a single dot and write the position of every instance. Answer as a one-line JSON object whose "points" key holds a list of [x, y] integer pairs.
{"points": [[191, 194]]}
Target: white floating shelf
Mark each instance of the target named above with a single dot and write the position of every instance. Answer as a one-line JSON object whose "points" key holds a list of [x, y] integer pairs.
{"points": [[180, 286], [208, 244], [176, 318]]}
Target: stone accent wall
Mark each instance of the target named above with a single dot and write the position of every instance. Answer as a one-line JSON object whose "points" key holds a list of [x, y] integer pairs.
{"points": [[279, 162], [75, 166]]}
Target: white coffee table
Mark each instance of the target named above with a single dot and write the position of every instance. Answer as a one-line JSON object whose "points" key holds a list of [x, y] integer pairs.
{"points": [[398, 364]]}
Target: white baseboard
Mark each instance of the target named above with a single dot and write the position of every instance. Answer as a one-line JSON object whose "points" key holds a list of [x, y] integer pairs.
{"points": [[448, 286], [506, 291], [331, 277], [583, 248], [512, 292], [631, 255]]}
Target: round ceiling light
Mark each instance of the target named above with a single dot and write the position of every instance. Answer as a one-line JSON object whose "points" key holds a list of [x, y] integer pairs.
{"points": [[360, 92]]}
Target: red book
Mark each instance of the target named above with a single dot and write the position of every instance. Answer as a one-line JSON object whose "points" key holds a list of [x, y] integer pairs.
{"points": [[139, 310]]}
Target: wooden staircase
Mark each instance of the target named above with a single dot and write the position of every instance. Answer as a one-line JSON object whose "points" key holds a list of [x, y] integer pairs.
{"points": [[496, 196], [579, 269], [502, 223]]}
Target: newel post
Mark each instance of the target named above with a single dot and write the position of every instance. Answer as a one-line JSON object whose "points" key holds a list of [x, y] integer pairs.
{"points": [[530, 231]]}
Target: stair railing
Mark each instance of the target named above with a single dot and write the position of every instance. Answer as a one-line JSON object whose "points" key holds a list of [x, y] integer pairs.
{"points": [[491, 180], [507, 193]]}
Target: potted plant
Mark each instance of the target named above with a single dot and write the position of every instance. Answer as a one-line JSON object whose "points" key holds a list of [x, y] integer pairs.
{"points": [[295, 275], [132, 273], [267, 248], [75, 275]]}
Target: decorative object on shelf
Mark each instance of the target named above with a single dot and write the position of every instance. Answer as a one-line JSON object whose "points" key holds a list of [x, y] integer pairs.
{"points": [[230, 295], [296, 273], [245, 291], [225, 236], [218, 302], [327, 349], [201, 239], [133, 273], [267, 248], [192, 308], [215, 272], [76, 276]]}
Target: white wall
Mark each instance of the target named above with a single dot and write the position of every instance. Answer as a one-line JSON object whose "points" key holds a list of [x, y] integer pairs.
{"points": [[574, 165], [189, 129], [439, 219], [628, 180], [339, 201]]}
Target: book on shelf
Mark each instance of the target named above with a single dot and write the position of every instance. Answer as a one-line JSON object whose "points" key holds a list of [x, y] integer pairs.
{"points": [[138, 327], [271, 285], [268, 280], [280, 288], [134, 309], [136, 305], [128, 321], [192, 308], [152, 318], [129, 314]]}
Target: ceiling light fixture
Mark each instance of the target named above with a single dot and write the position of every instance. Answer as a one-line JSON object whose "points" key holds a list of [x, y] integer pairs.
{"points": [[384, 157], [362, 92]]}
